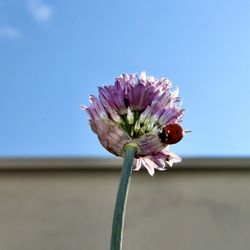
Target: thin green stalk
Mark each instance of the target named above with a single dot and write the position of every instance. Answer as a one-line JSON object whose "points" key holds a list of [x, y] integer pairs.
{"points": [[121, 198]]}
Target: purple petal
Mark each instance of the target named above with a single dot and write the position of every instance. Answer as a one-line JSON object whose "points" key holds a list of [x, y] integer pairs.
{"points": [[149, 165], [113, 114], [138, 165], [149, 144], [170, 115], [158, 161], [111, 137], [98, 107], [148, 96]]}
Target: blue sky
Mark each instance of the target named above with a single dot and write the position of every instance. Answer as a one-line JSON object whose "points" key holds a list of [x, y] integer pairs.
{"points": [[54, 54]]}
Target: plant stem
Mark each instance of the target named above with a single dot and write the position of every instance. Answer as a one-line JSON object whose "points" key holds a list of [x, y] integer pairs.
{"points": [[121, 198]]}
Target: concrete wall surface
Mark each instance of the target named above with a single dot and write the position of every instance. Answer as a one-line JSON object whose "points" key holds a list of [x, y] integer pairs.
{"points": [[177, 210]]}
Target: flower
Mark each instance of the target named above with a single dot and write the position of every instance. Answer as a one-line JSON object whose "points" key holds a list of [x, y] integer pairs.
{"points": [[135, 110]]}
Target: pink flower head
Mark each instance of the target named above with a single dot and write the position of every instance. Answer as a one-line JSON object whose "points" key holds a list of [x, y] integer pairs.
{"points": [[136, 110]]}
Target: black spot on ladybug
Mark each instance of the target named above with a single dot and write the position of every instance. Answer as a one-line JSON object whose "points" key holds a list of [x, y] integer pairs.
{"points": [[162, 136]]}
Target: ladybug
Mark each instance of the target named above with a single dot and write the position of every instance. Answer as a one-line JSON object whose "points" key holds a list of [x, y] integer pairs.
{"points": [[172, 133]]}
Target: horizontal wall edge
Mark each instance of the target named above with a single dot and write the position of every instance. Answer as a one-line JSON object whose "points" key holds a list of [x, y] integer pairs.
{"points": [[199, 163]]}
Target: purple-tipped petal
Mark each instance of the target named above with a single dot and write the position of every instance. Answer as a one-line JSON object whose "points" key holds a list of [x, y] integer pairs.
{"points": [[98, 107], [138, 165], [143, 77], [170, 115], [173, 158], [149, 144], [158, 161], [149, 165], [148, 96], [110, 136]]}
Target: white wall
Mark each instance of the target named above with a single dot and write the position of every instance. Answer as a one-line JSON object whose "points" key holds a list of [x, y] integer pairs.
{"points": [[175, 210]]}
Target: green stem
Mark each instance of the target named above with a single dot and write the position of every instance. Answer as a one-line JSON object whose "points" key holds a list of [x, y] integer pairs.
{"points": [[121, 198]]}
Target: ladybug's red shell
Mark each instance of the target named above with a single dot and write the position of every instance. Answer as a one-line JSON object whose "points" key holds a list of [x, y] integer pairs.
{"points": [[173, 133]]}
